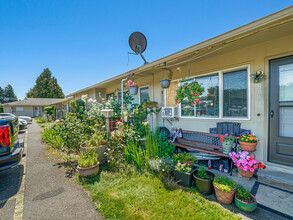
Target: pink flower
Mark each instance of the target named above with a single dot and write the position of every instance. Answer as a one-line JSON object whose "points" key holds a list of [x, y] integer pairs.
{"points": [[187, 100], [189, 164], [255, 166], [197, 100], [178, 164], [190, 88], [178, 101], [191, 93], [245, 168], [199, 103], [195, 94], [251, 170], [182, 90], [108, 161]]}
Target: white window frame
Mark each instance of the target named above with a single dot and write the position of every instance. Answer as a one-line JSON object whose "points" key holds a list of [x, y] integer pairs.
{"points": [[19, 109], [142, 87], [221, 97]]}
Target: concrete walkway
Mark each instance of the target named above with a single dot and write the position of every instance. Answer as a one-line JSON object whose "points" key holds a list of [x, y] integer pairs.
{"points": [[44, 192]]}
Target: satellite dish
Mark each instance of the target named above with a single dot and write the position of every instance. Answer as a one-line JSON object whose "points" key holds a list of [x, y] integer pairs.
{"points": [[138, 43]]}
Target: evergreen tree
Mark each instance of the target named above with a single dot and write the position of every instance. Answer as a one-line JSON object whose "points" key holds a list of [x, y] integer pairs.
{"points": [[1, 95], [9, 95], [46, 87]]}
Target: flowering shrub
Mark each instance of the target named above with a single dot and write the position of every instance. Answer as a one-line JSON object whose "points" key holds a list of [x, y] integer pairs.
{"points": [[184, 167], [189, 92], [247, 137], [245, 162], [131, 83], [226, 138]]}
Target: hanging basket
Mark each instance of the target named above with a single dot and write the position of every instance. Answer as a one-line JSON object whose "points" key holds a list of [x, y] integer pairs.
{"points": [[165, 83], [189, 92], [133, 90]]}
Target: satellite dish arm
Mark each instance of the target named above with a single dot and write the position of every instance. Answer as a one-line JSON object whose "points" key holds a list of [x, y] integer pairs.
{"points": [[145, 62]]}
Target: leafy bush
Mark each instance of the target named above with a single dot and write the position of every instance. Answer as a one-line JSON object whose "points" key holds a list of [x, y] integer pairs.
{"points": [[41, 120], [161, 165], [225, 184], [50, 110], [201, 172], [88, 158], [77, 106], [243, 194], [1, 109], [185, 157], [184, 167]]}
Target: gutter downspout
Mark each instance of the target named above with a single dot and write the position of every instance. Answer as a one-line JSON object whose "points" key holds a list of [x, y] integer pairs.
{"points": [[122, 81]]}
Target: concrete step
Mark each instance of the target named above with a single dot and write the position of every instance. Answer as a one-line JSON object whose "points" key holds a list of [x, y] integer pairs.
{"points": [[278, 177]]}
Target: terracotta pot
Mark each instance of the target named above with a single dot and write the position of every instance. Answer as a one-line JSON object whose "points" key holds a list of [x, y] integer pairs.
{"points": [[224, 197], [86, 171], [247, 207], [250, 147], [244, 173]]}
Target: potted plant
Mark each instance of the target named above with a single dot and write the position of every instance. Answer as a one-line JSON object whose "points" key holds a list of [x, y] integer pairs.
{"points": [[150, 104], [189, 92], [244, 200], [227, 142], [98, 142], [165, 83], [183, 168], [225, 189], [246, 163], [183, 173], [204, 180], [88, 163], [133, 87], [247, 141]]}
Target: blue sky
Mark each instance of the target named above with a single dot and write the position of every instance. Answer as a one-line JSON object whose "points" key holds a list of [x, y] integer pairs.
{"points": [[86, 41]]}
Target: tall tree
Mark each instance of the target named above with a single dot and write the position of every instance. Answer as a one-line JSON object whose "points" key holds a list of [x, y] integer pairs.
{"points": [[9, 95], [1, 95], [46, 87]]}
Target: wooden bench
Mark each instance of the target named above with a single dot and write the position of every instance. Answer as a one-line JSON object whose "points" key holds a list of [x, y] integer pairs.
{"points": [[201, 141]]}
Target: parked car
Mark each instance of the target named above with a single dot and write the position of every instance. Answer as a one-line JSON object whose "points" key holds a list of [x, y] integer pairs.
{"points": [[11, 148], [27, 118], [22, 124]]}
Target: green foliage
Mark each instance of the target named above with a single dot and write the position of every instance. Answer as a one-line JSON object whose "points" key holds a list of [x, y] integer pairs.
{"points": [[77, 106], [225, 184], [243, 194], [41, 120], [185, 157], [1, 109], [134, 155], [50, 110], [88, 158], [152, 145], [46, 87], [184, 167], [97, 139], [161, 165], [201, 172], [145, 196], [7, 94], [189, 92], [167, 150]]}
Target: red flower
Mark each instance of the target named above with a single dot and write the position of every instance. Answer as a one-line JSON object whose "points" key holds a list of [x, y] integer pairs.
{"points": [[250, 157], [260, 165], [189, 164], [264, 166]]}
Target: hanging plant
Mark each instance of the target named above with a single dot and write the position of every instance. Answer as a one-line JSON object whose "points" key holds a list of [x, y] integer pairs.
{"points": [[189, 92]]}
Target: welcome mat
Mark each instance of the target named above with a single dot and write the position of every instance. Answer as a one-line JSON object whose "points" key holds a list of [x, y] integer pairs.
{"points": [[274, 199]]}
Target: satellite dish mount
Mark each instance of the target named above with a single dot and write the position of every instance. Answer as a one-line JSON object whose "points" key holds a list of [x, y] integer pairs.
{"points": [[138, 43]]}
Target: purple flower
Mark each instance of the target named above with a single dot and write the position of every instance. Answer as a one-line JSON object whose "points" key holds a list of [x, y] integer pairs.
{"points": [[226, 134]]}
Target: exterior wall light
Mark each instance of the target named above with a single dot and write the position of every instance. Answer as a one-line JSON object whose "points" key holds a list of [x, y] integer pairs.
{"points": [[259, 75]]}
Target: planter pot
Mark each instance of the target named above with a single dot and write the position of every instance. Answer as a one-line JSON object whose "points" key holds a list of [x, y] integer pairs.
{"points": [[86, 171], [165, 83], [205, 186], [224, 197], [145, 105], [133, 90], [227, 146], [245, 206], [99, 150], [250, 147], [184, 179], [244, 173]]}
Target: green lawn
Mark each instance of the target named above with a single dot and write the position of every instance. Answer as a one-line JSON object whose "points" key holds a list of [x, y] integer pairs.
{"points": [[145, 196]]}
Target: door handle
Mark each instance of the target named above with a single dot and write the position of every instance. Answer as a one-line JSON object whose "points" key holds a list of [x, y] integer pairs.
{"points": [[272, 113]]}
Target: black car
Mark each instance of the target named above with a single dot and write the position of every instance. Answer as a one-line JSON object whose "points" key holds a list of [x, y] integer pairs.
{"points": [[11, 148]]}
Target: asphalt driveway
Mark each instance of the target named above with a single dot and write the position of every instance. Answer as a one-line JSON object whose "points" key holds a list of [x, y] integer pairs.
{"points": [[38, 189]]}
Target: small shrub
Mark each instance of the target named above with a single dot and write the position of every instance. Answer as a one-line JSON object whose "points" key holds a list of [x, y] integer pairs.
{"points": [[184, 167], [88, 158], [185, 157], [41, 120], [225, 184], [50, 110], [134, 155], [201, 173], [244, 195]]}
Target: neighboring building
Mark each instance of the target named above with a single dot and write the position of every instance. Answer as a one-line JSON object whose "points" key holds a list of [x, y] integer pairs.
{"points": [[32, 107], [224, 65]]}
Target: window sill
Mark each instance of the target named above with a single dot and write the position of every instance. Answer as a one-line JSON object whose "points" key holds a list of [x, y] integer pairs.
{"points": [[207, 118]]}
